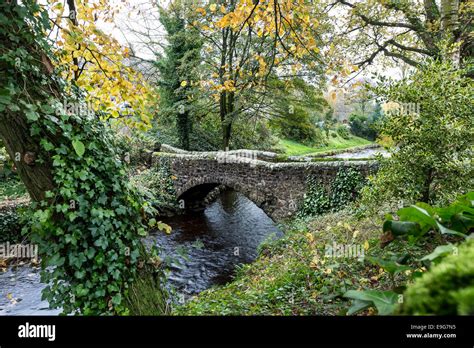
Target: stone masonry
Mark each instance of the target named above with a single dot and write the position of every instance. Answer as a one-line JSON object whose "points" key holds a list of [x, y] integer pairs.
{"points": [[277, 188]]}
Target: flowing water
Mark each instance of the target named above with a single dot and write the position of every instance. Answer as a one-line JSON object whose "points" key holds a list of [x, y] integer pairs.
{"points": [[206, 246], [366, 153], [203, 250]]}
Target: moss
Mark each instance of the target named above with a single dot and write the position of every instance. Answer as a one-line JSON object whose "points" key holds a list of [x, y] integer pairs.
{"points": [[146, 296], [447, 289]]}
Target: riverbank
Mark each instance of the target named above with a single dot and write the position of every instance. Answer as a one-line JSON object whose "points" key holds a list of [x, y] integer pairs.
{"points": [[297, 275], [335, 143]]}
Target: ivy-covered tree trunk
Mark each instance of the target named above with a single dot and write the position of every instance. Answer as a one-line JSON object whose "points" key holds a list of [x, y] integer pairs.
{"points": [[88, 220], [177, 69], [226, 119], [24, 151]]}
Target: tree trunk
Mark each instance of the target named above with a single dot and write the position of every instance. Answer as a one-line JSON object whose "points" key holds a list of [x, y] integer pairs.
{"points": [[450, 24], [426, 193], [226, 129], [184, 129], [25, 151]]}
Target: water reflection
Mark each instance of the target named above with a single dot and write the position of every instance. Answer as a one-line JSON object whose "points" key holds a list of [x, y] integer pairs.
{"points": [[206, 246]]}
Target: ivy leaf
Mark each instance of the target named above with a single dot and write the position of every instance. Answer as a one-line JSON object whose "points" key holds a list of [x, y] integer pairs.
{"points": [[358, 305], [164, 227], [117, 299], [78, 147], [32, 115], [142, 232], [152, 222], [445, 230]]}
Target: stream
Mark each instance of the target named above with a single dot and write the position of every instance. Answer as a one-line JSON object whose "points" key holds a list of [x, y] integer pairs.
{"points": [[365, 153], [202, 250]]}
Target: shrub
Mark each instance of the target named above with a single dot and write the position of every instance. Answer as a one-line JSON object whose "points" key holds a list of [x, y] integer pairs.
{"points": [[362, 126], [138, 146], [343, 132], [10, 226], [447, 289], [156, 184]]}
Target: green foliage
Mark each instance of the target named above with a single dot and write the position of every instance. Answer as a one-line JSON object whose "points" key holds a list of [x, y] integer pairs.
{"points": [[147, 295], [343, 132], [439, 253], [316, 200], [11, 222], [88, 228], [11, 188], [433, 136], [177, 67], [390, 266], [296, 108], [385, 301], [343, 190], [294, 123], [426, 296], [447, 289], [345, 187], [138, 147], [6, 164], [156, 184], [417, 220], [363, 126]]}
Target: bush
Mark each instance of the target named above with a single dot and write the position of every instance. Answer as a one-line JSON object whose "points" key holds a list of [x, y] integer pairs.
{"points": [[10, 226], [138, 146], [156, 184], [343, 132], [447, 289], [362, 126]]}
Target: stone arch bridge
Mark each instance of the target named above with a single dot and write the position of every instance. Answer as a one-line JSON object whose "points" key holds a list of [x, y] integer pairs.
{"points": [[278, 188]]}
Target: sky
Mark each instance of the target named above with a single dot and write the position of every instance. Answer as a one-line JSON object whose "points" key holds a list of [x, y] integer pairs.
{"points": [[130, 24]]}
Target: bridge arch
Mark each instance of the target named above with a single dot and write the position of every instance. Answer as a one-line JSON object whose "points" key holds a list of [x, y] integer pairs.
{"points": [[195, 190]]}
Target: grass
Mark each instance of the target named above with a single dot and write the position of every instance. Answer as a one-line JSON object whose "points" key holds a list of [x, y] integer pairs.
{"points": [[293, 148], [292, 276]]}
